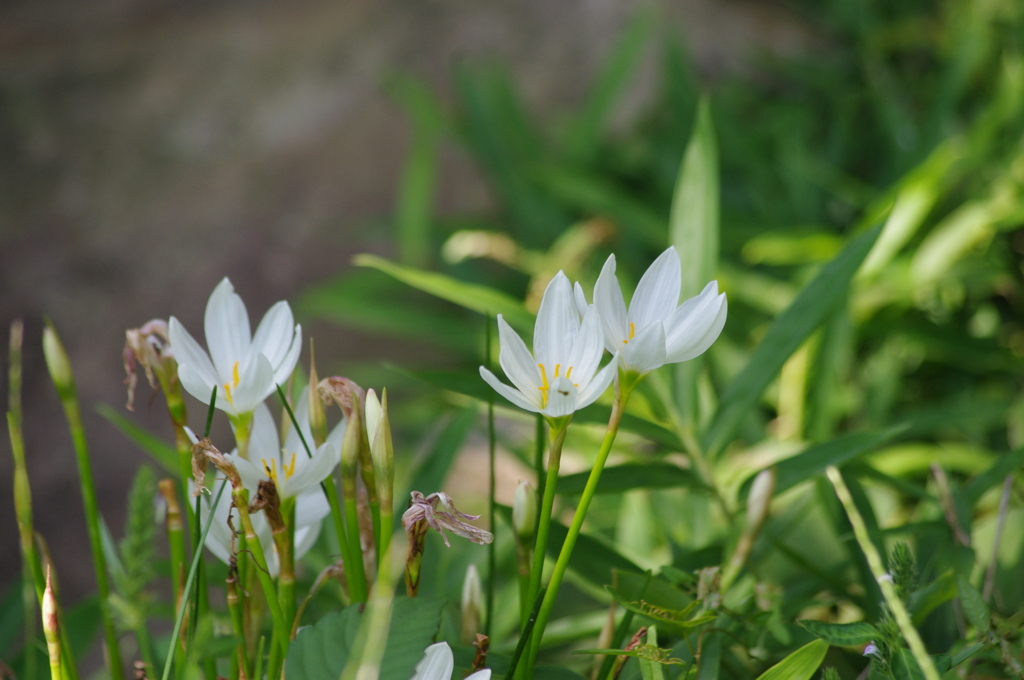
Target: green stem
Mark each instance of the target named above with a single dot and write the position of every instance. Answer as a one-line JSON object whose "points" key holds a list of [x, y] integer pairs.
{"points": [[577, 523], [237, 611], [354, 571], [899, 611], [547, 505], [63, 380]]}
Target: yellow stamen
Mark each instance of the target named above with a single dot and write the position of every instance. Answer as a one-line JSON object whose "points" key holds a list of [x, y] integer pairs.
{"points": [[234, 369], [567, 373], [289, 469], [557, 368], [632, 332], [229, 386], [271, 470], [544, 386]]}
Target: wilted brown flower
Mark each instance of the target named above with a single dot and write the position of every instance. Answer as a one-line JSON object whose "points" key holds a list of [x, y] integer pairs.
{"points": [[439, 512]]}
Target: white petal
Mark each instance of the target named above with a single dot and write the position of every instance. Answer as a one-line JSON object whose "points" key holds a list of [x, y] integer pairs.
{"points": [[305, 537], [251, 473], [336, 436], [482, 674], [646, 351], [709, 336], [611, 307], [596, 387], [283, 370], [195, 385], [581, 299], [516, 360], [557, 323], [187, 351], [657, 293], [562, 398], [274, 335], [588, 349], [437, 663], [227, 329], [255, 383], [515, 396], [690, 320], [218, 540], [311, 506], [309, 472], [292, 440], [264, 443]]}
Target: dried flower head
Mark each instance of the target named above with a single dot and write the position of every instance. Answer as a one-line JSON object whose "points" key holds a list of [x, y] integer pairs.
{"points": [[150, 347], [438, 511]]}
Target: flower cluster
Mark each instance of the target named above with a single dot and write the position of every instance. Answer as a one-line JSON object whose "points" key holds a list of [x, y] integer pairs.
{"points": [[570, 336]]}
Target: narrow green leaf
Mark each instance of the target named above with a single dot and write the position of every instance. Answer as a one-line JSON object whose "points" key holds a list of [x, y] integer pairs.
{"points": [[710, 657], [925, 600], [974, 489], [649, 668], [321, 651], [693, 225], [842, 634], [784, 337], [158, 450], [800, 665], [631, 476], [976, 611], [966, 654], [472, 296]]}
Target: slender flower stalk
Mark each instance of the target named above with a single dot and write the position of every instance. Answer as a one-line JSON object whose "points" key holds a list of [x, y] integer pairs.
{"points": [[757, 511], [618, 406], [63, 379], [378, 429], [352, 553], [176, 543], [236, 609], [882, 577], [557, 438]]}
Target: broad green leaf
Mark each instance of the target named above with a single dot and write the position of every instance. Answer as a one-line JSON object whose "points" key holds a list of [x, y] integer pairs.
{"points": [[842, 634], [320, 652], [676, 619], [591, 559], [925, 600], [710, 656], [165, 455], [784, 337], [914, 200], [814, 459], [693, 223], [905, 666], [976, 611], [374, 303], [630, 476], [800, 665], [472, 296]]}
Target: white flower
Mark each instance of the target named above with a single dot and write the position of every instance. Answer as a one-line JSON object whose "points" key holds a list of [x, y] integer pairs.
{"points": [[562, 379], [438, 663], [245, 368], [292, 471], [655, 331], [309, 513]]}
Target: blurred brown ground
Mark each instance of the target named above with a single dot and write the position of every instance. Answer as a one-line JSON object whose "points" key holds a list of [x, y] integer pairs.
{"points": [[149, 148]]}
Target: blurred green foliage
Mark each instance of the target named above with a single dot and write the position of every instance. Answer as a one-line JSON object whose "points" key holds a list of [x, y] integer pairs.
{"points": [[861, 205]]}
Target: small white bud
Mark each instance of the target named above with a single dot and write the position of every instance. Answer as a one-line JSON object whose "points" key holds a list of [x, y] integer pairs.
{"points": [[524, 510], [472, 604], [760, 497], [373, 414]]}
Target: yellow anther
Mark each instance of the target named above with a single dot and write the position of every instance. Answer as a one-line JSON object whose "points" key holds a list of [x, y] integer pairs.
{"points": [[567, 373], [271, 470], [229, 386], [632, 332], [289, 469], [227, 393], [557, 368], [544, 387], [234, 370]]}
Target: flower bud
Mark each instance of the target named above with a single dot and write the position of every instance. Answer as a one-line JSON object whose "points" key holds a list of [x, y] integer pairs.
{"points": [[378, 430], [317, 416], [759, 499], [345, 393], [50, 627], [524, 510], [472, 605], [58, 363]]}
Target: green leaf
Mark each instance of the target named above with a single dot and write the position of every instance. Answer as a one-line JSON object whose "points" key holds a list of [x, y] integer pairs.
{"points": [[905, 667], [975, 609], [925, 600], [647, 606], [784, 337], [630, 476], [163, 454], [800, 665], [966, 654], [12, 613], [975, 489], [650, 668], [472, 296], [814, 459], [320, 652], [842, 634], [693, 225], [710, 657]]}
